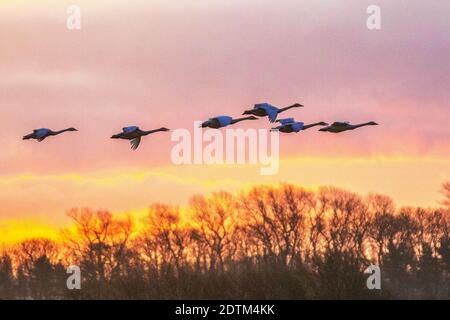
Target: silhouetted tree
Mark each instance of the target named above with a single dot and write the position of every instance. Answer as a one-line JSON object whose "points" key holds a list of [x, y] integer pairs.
{"points": [[216, 220], [6, 278], [446, 192], [99, 245], [271, 242]]}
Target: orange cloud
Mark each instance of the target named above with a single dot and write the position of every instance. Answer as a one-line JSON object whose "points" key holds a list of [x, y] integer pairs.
{"points": [[409, 180], [13, 231]]}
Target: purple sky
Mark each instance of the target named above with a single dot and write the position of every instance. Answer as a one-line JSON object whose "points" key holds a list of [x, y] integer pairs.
{"points": [[168, 63]]}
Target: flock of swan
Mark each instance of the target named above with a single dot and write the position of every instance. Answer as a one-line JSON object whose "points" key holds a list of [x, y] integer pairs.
{"points": [[288, 125]]}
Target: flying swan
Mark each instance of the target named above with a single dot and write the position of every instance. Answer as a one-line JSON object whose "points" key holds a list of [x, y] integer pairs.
{"points": [[289, 125], [337, 127], [134, 134], [223, 121], [266, 109], [41, 134]]}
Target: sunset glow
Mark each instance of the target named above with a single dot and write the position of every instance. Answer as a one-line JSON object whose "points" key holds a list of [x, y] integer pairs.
{"points": [[169, 63]]}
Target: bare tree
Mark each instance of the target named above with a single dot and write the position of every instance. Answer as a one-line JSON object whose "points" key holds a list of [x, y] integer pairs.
{"points": [[343, 222], [382, 211], [446, 192], [216, 220], [6, 278], [270, 242], [99, 242], [276, 220], [165, 239]]}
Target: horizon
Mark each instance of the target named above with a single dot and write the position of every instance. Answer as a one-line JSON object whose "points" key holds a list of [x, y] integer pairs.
{"points": [[15, 231]]}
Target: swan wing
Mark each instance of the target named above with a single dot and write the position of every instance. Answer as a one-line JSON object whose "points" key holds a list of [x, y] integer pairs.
{"points": [[224, 120], [272, 114], [130, 129], [263, 105], [271, 111], [286, 121], [135, 143], [40, 134], [297, 126]]}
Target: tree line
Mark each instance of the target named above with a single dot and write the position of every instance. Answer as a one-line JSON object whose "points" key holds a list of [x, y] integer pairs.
{"points": [[271, 242]]}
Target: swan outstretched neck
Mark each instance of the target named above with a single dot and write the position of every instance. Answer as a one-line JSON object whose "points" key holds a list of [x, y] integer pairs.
{"points": [[307, 126], [64, 130], [145, 133], [295, 105], [243, 119], [28, 136], [371, 123]]}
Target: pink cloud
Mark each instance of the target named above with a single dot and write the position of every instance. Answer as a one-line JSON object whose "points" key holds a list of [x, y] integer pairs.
{"points": [[162, 65]]}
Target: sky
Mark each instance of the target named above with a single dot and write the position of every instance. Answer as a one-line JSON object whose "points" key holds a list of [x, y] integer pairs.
{"points": [[168, 63]]}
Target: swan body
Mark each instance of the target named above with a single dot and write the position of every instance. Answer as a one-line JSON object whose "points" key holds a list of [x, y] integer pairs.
{"points": [[223, 121], [43, 133], [338, 126], [267, 110], [289, 125], [134, 134]]}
